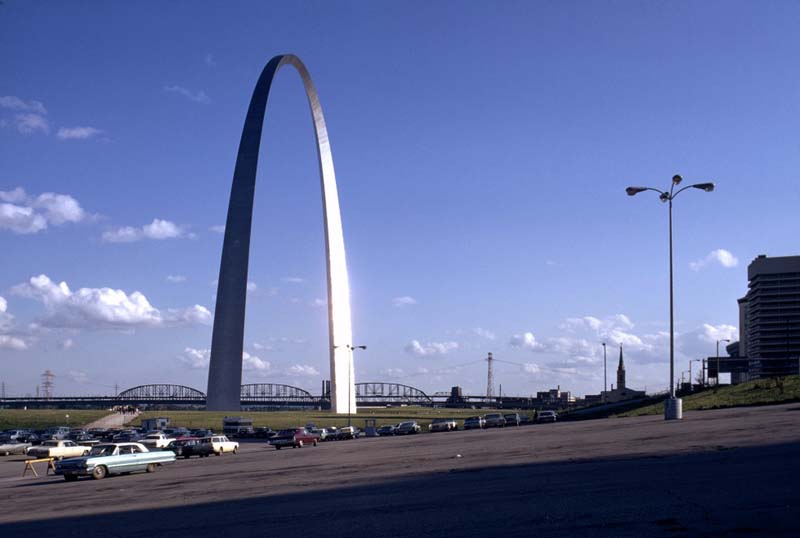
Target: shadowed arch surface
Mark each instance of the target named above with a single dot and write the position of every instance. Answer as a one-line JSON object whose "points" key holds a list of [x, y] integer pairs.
{"points": [[225, 369]]}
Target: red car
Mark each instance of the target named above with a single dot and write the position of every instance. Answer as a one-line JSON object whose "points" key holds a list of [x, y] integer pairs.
{"points": [[295, 438]]}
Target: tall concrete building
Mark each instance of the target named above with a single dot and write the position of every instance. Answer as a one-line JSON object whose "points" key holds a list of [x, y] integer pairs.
{"points": [[769, 317]]}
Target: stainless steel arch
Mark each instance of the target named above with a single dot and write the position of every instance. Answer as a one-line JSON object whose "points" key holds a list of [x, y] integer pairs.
{"points": [[225, 369]]}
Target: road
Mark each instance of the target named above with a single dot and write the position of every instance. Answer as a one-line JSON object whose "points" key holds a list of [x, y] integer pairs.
{"points": [[114, 420], [716, 473]]}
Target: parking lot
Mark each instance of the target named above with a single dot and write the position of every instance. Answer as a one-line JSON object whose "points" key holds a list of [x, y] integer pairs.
{"points": [[725, 472]]}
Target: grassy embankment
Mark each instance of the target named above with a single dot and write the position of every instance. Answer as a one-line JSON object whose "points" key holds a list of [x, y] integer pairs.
{"points": [[759, 392], [284, 419], [46, 418]]}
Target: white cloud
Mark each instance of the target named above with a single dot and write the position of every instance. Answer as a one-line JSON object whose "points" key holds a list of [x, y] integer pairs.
{"points": [[531, 368], [220, 228], [251, 286], [24, 214], [302, 370], [526, 341], [78, 376], [29, 123], [483, 333], [176, 279], [12, 102], [12, 342], [158, 230], [103, 308], [393, 373], [69, 343], [720, 256], [261, 347], [3, 305], [711, 333], [77, 133], [198, 96], [253, 363], [319, 303], [200, 359], [293, 279], [405, 300], [415, 347]]}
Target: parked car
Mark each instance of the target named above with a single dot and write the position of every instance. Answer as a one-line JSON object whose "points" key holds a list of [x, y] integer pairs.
{"points": [[387, 429], [293, 437], [474, 423], [61, 432], [408, 428], [201, 432], [329, 434], [442, 425], [13, 447], [495, 420], [221, 444], [348, 432], [512, 419], [156, 440], [57, 449], [524, 420], [262, 432], [190, 446], [547, 416], [113, 458]]}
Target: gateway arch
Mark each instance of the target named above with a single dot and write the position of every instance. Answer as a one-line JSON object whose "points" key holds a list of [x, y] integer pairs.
{"points": [[227, 343]]}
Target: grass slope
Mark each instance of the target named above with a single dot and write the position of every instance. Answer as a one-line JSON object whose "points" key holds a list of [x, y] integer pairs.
{"points": [[759, 392], [36, 419]]}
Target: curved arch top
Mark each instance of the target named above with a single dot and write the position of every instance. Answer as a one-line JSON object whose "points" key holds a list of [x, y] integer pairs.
{"points": [[225, 369]]}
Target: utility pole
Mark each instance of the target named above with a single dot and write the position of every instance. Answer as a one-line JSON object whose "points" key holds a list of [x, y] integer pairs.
{"points": [[605, 374], [489, 379]]}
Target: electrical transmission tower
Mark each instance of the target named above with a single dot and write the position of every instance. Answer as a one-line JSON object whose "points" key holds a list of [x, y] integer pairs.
{"points": [[47, 384], [490, 379]]}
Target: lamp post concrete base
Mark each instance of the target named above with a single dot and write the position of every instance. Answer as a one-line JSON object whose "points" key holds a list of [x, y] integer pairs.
{"points": [[673, 409]]}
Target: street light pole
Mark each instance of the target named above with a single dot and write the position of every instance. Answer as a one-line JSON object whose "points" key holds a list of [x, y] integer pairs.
{"points": [[674, 406], [718, 341]]}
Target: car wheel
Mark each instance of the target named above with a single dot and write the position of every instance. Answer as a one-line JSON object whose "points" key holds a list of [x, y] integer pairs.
{"points": [[315, 442], [299, 444], [277, 447], [218, 453], [70, 477], [99, 472], [85, 452], [151, 468], [235, 450]]}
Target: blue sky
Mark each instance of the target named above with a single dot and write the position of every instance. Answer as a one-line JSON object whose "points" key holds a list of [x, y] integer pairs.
{"points": [[481, 149]]}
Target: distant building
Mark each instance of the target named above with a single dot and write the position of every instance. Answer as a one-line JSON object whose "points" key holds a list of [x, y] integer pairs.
{"points": [[555, 397], [621, 392], [151, 424], [769, 319]]}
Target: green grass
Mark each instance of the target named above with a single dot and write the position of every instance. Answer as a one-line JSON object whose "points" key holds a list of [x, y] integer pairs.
{"points": [[11, 419], [284, 419], [759, 392]]}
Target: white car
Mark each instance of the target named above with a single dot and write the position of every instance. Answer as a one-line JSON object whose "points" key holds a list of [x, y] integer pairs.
{"points": [[156, 440], [222, 444], [58, 449]]}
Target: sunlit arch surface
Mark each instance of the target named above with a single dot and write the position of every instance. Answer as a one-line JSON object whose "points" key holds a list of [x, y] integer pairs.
{"points": [[227, 344]]}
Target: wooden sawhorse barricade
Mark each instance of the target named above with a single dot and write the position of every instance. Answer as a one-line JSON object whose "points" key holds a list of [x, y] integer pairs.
{"points": [[29, 466]]}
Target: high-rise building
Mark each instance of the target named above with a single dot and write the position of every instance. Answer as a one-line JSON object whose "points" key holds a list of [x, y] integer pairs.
{"points": [[770, 317]]}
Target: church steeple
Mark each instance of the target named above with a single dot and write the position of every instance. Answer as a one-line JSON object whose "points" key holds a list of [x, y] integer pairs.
{"points": [[620, 371]]}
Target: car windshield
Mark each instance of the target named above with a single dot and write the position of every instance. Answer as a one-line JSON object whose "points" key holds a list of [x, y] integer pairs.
{"points": [[286, 432], [50, 443], [406, 424], [493, 415], [102, 450]]}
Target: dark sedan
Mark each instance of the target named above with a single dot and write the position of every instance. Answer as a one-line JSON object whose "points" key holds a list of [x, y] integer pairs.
{"points": [[190, 446], [388, 429]]}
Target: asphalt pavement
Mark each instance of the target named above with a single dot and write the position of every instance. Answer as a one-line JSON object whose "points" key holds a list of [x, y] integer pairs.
{"points": [[716, 473]]}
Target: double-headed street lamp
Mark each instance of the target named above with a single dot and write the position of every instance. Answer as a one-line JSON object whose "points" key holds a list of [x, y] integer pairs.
{"points": [[673, 408], [350, 369]]}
